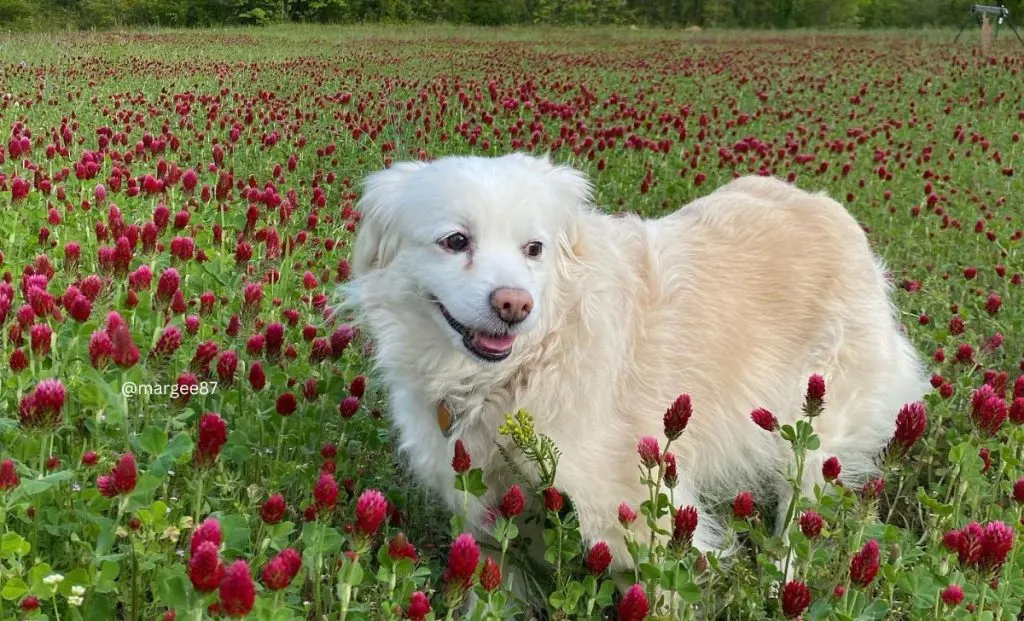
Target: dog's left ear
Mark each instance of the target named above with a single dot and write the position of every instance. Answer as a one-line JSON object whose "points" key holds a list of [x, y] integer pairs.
{"points": [[376, 242], [572, 185], [575, 192]]}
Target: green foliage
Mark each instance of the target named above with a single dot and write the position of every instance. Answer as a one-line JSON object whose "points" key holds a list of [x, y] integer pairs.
{"points": [[14, 12], [914, 136], [841, 14]]}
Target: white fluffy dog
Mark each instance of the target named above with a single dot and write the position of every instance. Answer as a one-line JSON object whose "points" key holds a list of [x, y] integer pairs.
{"points": [[490, 285]]}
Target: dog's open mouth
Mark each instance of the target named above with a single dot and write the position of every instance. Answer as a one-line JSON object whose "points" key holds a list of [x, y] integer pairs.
{"points": [[488, 346]]}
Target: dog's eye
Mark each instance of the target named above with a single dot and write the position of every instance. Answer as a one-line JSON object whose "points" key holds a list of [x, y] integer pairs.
{"points": [[533, 249], [456, 242]]}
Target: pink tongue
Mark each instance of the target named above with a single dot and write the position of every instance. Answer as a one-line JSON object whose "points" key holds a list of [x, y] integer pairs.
{"points": [[495, 343]]}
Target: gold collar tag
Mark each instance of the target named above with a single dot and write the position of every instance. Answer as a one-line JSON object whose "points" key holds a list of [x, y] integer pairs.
{"points": [[445, 419]]}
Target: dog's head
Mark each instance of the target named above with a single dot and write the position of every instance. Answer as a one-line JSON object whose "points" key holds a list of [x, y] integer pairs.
{"points": [[470, 246]]}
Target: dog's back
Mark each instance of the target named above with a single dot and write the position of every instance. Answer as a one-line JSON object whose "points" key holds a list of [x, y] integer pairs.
{"points": [[760, 285]]}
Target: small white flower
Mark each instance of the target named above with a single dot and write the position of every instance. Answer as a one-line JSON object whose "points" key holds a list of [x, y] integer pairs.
{"points": [[53, 579], [76, 487], [78, 590], [75, 600]]}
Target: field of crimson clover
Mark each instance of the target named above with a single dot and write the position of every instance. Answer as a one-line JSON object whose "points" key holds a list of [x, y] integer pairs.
{"points": [[177, 211]]}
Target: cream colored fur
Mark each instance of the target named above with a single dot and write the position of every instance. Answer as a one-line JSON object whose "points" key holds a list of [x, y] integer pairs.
{"points": [[735, 298]]}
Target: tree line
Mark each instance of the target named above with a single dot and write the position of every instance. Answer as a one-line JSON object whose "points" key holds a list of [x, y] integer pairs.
{"points": [[49, 14]]}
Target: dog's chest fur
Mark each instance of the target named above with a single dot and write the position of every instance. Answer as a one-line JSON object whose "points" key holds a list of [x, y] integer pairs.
{"points": [[481, 397]]}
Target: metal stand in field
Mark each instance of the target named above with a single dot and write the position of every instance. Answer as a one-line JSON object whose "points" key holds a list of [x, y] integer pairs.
{"points": [[1002, 14]]}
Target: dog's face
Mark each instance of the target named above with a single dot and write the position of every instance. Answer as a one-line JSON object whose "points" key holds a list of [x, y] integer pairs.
{"points": [[470, 243]]}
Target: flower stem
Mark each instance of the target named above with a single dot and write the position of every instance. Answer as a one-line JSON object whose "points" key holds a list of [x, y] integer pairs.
{"points": [[198, 502], [592, 600], [392, 583], [959, 487], [558, 558], [653, 487], [126, 412], [345, 591], [791, 510], [280, 440], [42, 455], [318, 567], [892, 505], [652, 495], [135, 579]]}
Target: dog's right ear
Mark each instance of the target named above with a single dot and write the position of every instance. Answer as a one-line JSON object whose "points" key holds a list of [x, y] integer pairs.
{"points": [[376, 242]]}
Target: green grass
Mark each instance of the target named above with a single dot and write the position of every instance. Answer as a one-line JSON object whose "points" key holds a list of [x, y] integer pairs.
{"points": [[858, 101]]}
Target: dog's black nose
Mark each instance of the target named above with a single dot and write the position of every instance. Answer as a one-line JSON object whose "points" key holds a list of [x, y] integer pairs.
{"points": [[512, 305]]}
